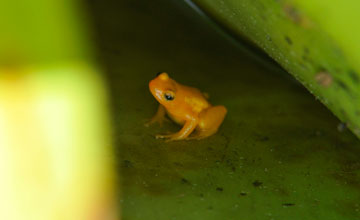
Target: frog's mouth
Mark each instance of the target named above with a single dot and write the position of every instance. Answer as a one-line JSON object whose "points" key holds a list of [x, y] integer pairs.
{"points": [[158, 94]]}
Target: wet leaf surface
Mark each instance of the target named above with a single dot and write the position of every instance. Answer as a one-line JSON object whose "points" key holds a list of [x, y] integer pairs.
{"points": [[278, 155]]}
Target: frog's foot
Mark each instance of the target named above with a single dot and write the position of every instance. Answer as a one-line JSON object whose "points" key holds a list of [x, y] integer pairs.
{"points": [[170, 137], [202, 134], [163, 136], [156, 119], [188, 127]]}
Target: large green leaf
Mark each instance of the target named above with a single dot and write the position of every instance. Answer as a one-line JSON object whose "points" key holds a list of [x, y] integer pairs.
{"points": [[316, 41], [280, 154]]}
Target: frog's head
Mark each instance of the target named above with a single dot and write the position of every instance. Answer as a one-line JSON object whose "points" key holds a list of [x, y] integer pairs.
{"points": [[163, 89]]}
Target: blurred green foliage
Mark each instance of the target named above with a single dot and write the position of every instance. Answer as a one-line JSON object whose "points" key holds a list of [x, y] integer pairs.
{"points": [[42, 31], [55, 136]]}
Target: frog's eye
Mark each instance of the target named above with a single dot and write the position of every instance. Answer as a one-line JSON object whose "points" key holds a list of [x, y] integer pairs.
{"points": [[169, 95]]}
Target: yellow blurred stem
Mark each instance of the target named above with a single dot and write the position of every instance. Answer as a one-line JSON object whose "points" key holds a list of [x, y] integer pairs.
{"points": [[55, 155]]}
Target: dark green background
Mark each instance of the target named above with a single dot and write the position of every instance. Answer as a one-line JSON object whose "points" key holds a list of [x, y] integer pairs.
{"points": [[278, 154]]}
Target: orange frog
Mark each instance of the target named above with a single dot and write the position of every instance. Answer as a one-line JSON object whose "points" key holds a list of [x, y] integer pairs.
{"points": [[186, 106]]}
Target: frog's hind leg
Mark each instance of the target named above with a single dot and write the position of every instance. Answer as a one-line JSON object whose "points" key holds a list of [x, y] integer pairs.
{"points": [[210, 121]]}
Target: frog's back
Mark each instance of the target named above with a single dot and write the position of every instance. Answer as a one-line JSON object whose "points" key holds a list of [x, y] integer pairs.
{"points": [[194, 98]]}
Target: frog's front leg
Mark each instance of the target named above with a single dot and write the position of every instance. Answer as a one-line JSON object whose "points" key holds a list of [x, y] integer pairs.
{"points": [[158, 117], [186, 130]]}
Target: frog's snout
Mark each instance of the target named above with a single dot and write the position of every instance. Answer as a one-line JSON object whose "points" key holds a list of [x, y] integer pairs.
{"points": [[153, 87]]}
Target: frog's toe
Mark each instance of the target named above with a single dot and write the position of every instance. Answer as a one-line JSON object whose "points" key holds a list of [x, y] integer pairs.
{"points": [[149, 122], [162, 136], [156, 120]]}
